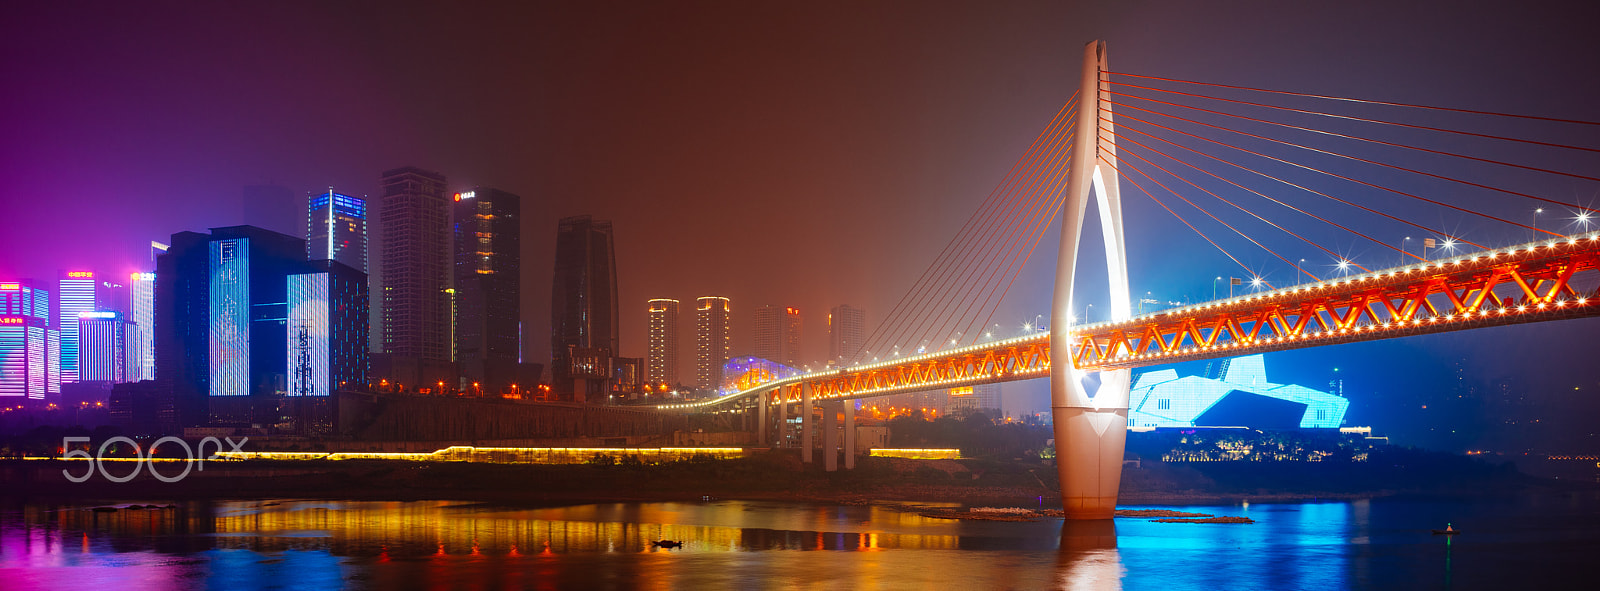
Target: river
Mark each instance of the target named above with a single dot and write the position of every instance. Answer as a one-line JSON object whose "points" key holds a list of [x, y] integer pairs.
{"points": [[1548, 539]]}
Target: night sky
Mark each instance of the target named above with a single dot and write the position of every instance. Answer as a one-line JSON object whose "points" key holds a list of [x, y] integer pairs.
{"points": [[798, 154]]}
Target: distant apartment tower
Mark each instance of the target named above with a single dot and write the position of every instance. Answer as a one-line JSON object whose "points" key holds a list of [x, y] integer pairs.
{"points": [[415, 215], [25, 337], [102, 342], [336, 229], [488, 289], [78, 292], [847, 330], [583, 308], [713, 342], [141, 331], [662, 347], [777, 334]]}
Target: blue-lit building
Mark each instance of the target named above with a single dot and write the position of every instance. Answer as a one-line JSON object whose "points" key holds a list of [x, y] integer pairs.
{"points": [[327, 329], [102, 347], [26, 370], [1241, 397], [336, 229], [223, 308]]}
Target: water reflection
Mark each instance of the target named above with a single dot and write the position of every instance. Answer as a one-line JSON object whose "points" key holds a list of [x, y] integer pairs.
{"points": [[447, 545]]}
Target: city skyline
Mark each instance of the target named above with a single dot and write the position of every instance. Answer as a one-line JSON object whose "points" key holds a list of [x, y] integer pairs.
{"points": [[914, 142]]}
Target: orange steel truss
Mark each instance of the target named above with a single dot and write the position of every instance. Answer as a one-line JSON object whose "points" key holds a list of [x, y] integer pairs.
{"points": [[1533, 282], [1529, 283], [1001, 362]]}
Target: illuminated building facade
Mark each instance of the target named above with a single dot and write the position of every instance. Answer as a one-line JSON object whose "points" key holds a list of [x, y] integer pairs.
{"points": [[1242, 397], [141, 331], [327, 329], [583, 297], [777, 334], [336, 229], [488, 289], [77, 293], [661, 351], [415, 216], [25, 368], [847, 330], [222, 303], [713, 340], [102, 338]]}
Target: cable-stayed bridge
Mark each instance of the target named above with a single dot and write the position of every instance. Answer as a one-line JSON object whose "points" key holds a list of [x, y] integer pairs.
{"points": [[1295, 176]]}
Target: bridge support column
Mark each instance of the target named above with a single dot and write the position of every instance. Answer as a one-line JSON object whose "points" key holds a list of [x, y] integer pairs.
{"points": [[783, 420], [830, 436], [849, 434], [805, 423], [1090, 426], [761, 421]]}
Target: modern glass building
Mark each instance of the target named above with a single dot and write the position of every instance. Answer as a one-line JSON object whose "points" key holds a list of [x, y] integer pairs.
{"points": [[488, 290], [1241, 397], [102, 341], [336, 229], [327, 315], [415, 272], [223, 302], [141, 332], [583, 304]]}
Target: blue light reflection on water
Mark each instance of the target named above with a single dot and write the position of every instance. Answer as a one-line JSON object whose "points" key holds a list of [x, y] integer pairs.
{"points": [[311, 545]]}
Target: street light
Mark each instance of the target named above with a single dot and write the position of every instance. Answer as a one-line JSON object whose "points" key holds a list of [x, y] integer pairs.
{"points": [[1405, 246], [1536, 213], [1299, 270], [1344, 265], [1214, 287]]}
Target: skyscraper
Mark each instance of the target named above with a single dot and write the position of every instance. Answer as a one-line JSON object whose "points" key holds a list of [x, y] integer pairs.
{"points": [[415, 271], [336, 229], [583, 307], [223, 303], [713, 340], [142, 290], [77, 294], [777, 334], [847, 330], [488, 287], [24, 342], [662, 349], [102, 356]]}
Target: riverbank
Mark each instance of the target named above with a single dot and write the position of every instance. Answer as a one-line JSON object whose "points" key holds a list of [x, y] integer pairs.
{"points": [[763, 476]]}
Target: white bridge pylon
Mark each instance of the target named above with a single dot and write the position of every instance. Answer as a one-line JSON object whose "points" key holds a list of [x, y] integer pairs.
{"points": [[1090, 426]]}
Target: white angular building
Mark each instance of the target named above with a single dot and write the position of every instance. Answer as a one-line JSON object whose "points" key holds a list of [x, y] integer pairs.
{"points": [[1241, 398]]}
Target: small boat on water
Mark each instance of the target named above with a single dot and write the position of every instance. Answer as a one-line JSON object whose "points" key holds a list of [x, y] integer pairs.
{"points": [[1449, 530], [667, 544]]}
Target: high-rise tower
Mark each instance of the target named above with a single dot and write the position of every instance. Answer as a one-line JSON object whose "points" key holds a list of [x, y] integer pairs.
{"points": [[488, 300], [662, 349], [583, 307], [25, 355], [712, 341], [141, 333], [336, 229], [415, 216], [777, 334], [847, 328]]}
